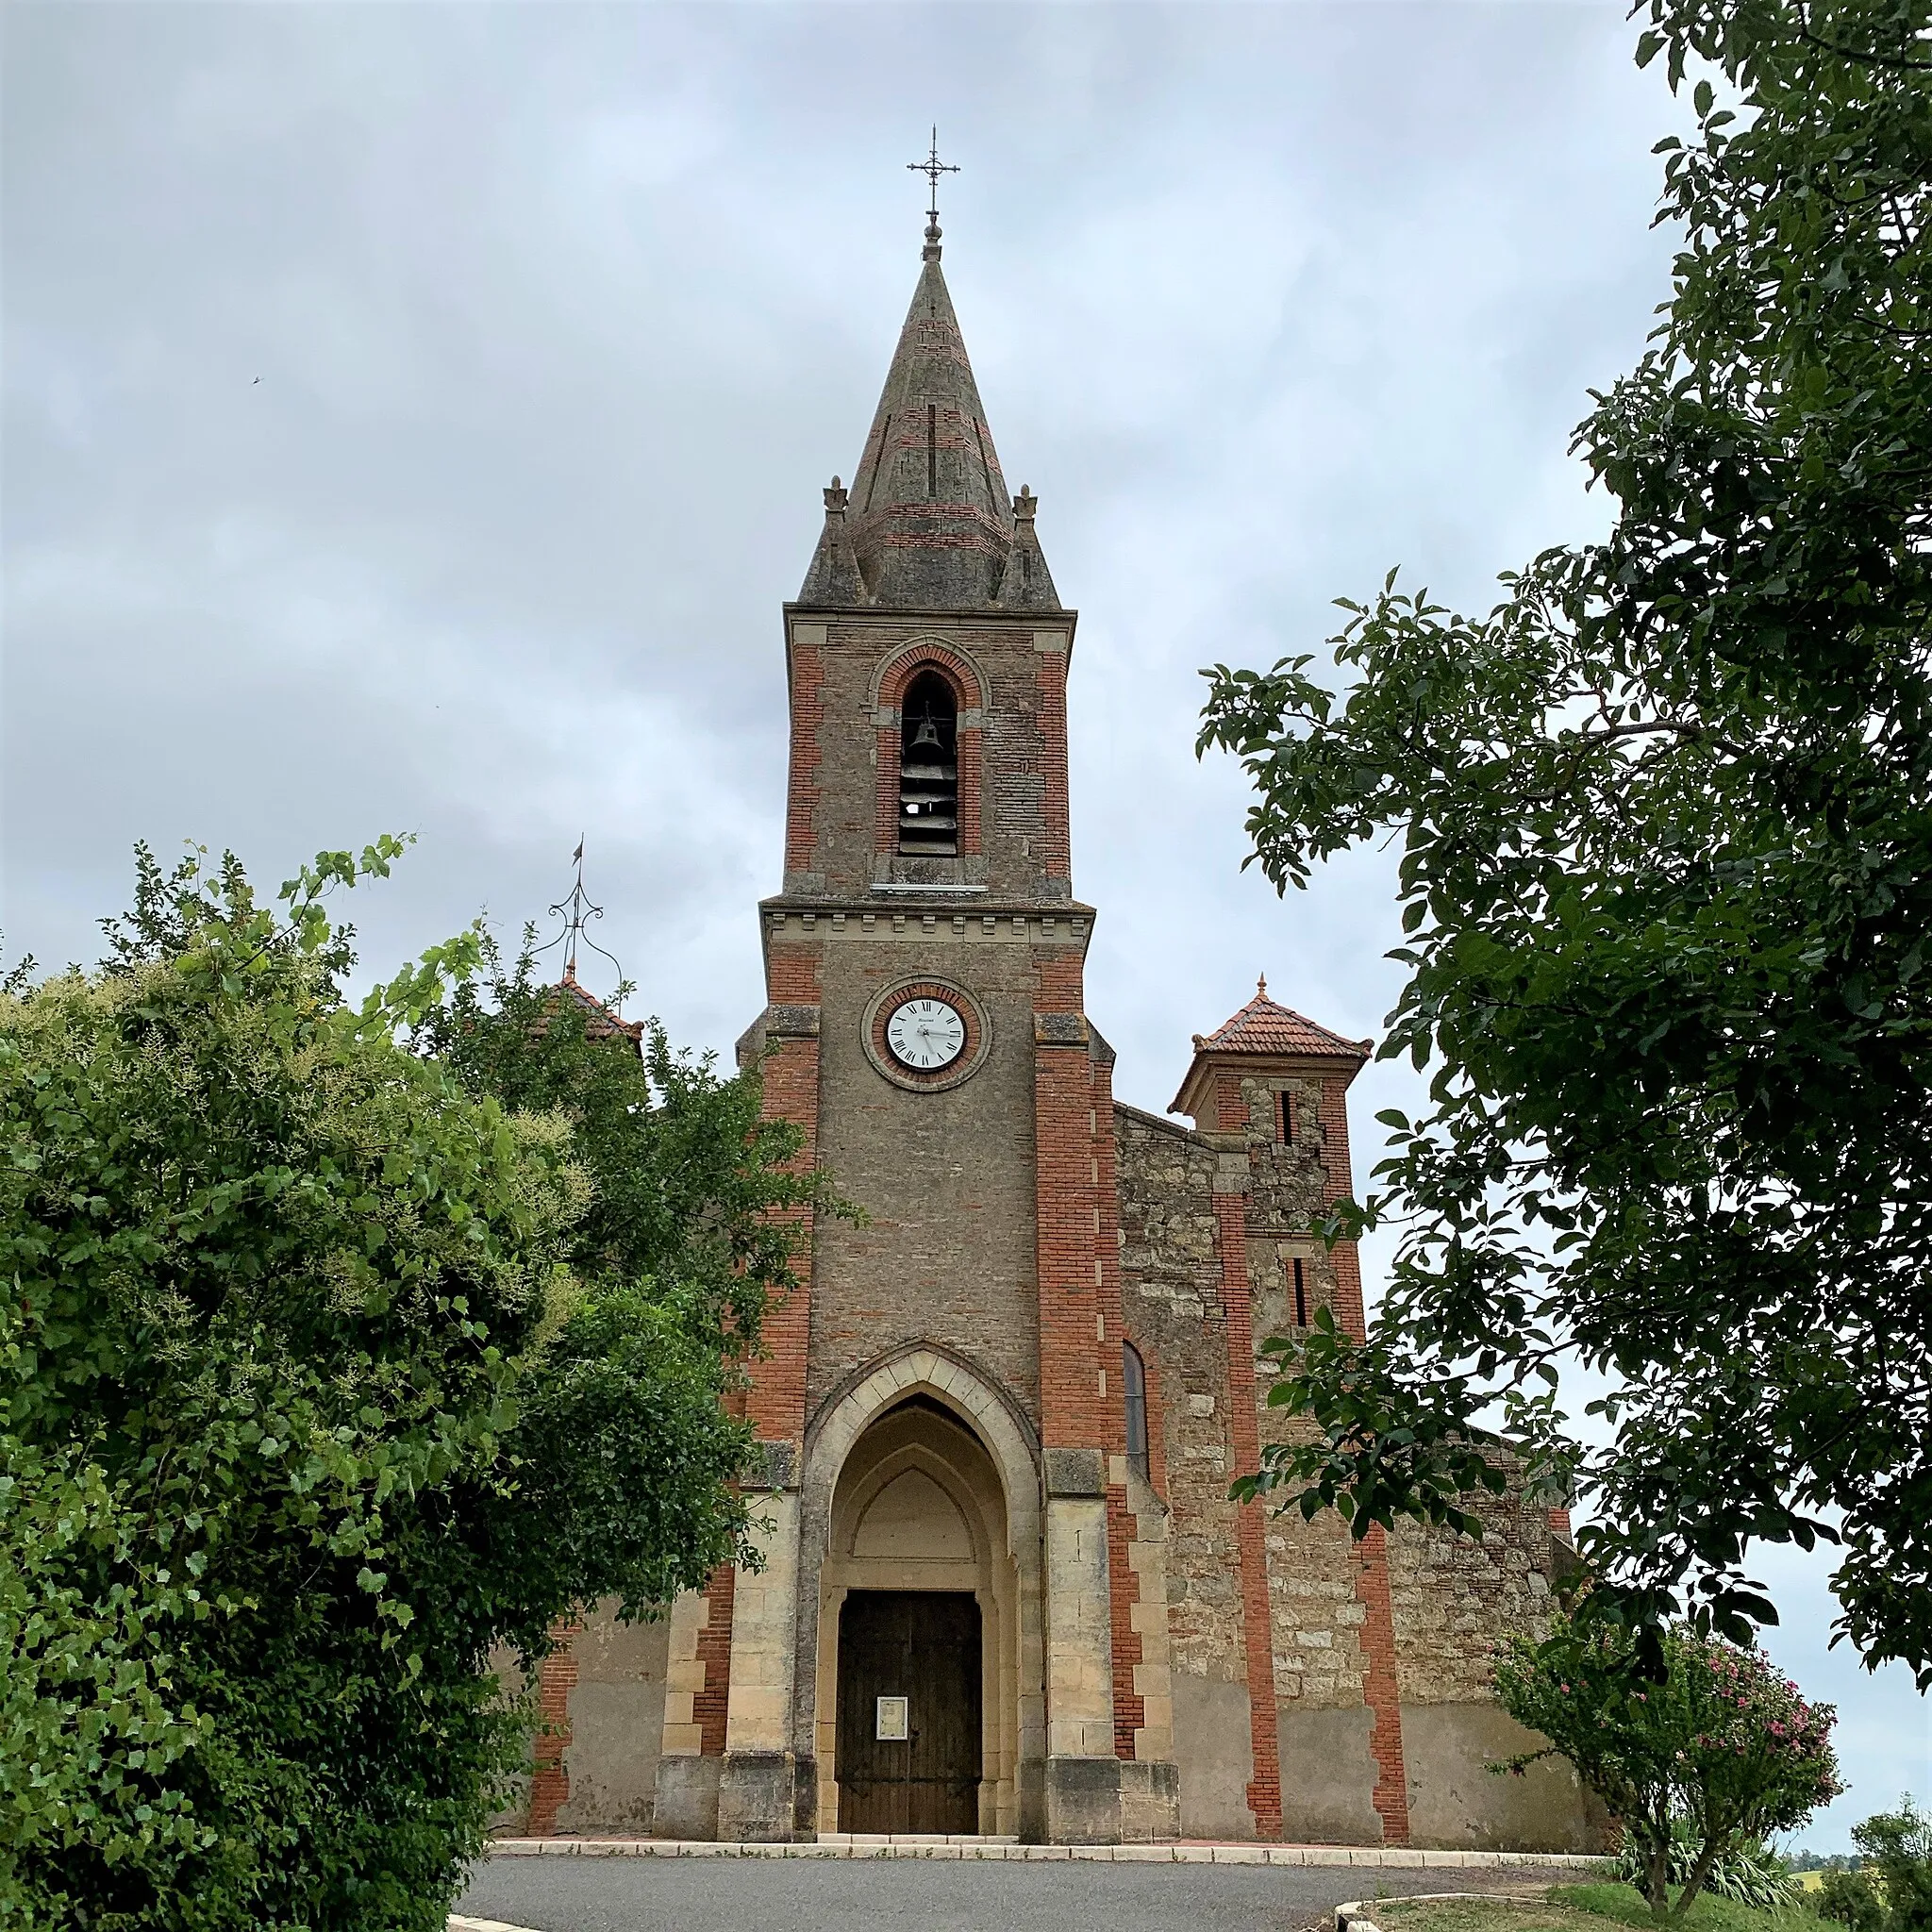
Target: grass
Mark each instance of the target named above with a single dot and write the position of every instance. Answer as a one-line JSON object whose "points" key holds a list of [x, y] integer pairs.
{"points": [[1709, 1914], [1481, 1915], [1579, 1908]]}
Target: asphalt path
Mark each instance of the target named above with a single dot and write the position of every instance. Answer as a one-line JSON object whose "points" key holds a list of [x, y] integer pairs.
{"points": [[805, 1894]]}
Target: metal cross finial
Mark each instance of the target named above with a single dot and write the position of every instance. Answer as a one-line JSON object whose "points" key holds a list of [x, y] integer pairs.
{"points": [[932, 168]]}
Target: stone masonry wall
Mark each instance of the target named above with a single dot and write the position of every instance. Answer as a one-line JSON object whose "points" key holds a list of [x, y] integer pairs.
{"points": [[1355, 1635], [946, 1179], [1170, 1294], [1454, 1597]]}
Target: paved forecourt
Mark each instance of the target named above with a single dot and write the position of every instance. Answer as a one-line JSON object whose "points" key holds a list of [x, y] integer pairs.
{"points": [[647, 1885]]}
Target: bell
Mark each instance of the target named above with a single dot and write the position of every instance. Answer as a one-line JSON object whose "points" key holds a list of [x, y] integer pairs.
{"points": [[928, 735]]}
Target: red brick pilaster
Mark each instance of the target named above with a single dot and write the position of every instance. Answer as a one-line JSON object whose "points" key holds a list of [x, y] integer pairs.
{"points": [[1338, 1183], [1380, 1688], [808, 666], [971, 756], [556, 1677], [887, 748], [709, 1707], [1056, 855], [774, 1403], [1231, 1242]]}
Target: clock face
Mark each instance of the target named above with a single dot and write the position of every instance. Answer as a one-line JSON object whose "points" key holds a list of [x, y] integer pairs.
{"points": [[926, 1035]]}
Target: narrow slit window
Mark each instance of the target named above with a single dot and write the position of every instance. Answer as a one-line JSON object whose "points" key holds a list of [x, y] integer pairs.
{"points": [[930, 769], [1134, 1388], [1301, 1294], [1286, 1123]]}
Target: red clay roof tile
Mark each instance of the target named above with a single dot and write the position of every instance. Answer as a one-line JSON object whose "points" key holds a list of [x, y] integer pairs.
{"points": [[1264, 1026]]}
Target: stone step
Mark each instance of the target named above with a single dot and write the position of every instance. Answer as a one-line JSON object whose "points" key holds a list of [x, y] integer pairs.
{"points": [[912, 1838]]}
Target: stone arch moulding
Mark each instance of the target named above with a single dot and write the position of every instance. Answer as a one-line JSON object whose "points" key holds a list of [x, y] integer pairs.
{"points": [[925, 1366], [904, 662], [1004, 1431]]}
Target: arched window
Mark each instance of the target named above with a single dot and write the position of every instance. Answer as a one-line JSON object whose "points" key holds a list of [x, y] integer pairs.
{"points": [[930, 769], [1134, 1387]]}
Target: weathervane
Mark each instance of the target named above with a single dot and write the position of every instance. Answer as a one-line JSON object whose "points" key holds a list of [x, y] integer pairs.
{"points": [[932, 168], [576, 911]]}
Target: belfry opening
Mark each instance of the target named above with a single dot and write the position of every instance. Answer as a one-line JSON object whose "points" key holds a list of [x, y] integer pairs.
{"points": [[930, 769]]}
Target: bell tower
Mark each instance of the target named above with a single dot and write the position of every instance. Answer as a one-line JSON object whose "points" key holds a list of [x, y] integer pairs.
{"points": [[926, 1025]]}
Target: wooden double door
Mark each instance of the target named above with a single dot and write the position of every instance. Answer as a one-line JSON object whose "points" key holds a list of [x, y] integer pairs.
{"points": [[916, 1766]]}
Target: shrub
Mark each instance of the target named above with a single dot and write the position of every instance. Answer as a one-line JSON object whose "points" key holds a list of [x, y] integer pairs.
{"points": [[1747, 1872], [1898, 1847], [1721, 1746], [1852, 1900], [302, 1410]]}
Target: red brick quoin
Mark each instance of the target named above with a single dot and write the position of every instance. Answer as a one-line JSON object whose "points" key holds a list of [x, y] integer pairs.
{"points": [[556, 1677]]}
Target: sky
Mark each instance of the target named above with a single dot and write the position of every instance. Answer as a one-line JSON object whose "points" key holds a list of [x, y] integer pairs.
{"points": [[414, 419]]}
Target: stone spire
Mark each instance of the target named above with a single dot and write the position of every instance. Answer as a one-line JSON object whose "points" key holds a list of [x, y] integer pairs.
{"points": [[928, 523]]}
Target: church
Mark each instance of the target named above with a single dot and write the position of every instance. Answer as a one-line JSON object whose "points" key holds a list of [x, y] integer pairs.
{"points": [[1004, 1593]]}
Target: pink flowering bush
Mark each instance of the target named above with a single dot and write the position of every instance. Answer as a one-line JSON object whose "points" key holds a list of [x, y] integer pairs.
{"points": [[1724, 1746]]}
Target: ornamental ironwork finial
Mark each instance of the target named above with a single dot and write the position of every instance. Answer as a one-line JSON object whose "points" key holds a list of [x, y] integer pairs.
{"points": [[576, 909]]}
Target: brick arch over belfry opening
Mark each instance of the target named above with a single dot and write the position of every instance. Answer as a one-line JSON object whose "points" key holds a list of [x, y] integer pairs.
{"points": [[998, 1427], [971, 694]]}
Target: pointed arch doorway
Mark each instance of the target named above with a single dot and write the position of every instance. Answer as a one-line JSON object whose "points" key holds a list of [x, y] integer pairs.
{"points": [[918, 1632]]}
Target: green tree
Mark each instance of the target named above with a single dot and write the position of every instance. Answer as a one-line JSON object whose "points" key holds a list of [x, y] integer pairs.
{"points": [[1719, 1750], [1849, 1898], [692, 1187], [694, 1207], [1897, 1848], [303, 1409], [1665, 818]]}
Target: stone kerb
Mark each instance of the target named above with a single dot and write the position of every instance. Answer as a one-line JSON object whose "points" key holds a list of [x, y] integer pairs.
{"points": [[1170, 1852]]}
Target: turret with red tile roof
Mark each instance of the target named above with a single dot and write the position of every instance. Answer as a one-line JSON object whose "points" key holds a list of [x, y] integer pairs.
{"points": [[600, 1021], [1264, 1031]]}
